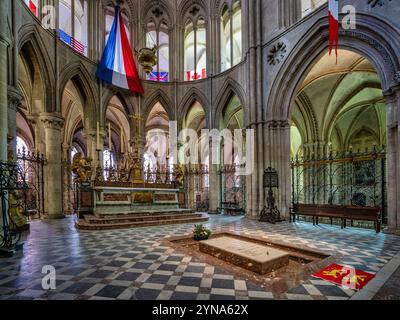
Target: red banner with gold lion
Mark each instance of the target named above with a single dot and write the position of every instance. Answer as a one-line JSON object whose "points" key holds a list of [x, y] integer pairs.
{"points": [[345, 276]]}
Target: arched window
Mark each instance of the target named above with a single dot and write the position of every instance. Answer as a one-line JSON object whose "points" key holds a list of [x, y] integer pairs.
{"points": [[22, 147], [109, 19], [231, 36], [308, 6], [195, 50], [108, 159], [157, 36], [33, 5], [73, 21]]}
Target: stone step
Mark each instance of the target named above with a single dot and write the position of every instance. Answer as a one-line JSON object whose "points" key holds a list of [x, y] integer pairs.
{"points": [[81, 224], [145, 213], [138, 218]]}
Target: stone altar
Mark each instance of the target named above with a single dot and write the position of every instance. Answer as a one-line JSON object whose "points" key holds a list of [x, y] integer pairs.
{"points": [[134, 199]]}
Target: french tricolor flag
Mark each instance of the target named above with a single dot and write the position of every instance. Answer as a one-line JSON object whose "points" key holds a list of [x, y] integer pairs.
{"points": [[117, 66], [333, 26]]}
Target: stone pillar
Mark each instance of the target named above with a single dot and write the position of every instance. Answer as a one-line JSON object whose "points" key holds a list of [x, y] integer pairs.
{"points": [[393, 159], [4, 43], [14, 100], [214, 181], [53, 124]]}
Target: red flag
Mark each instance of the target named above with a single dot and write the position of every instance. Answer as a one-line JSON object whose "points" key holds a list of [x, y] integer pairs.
{"points": [[32, 7], [333, 26]]}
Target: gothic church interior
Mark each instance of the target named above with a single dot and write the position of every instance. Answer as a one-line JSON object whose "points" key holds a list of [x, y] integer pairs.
{"points": [[156, 150]]}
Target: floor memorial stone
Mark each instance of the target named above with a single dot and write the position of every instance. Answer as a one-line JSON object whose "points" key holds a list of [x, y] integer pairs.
{"points": [[252, 256]]}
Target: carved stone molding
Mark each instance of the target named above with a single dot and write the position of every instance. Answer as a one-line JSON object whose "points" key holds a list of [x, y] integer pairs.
{"points": [[374, 3], [52, 120], [277, 53], [278, 124], [14, 97], [397, 76]]}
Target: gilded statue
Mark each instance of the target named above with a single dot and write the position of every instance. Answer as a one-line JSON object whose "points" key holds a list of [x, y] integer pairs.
{"points": [[16, 210], [179, 176], [82, 168]]}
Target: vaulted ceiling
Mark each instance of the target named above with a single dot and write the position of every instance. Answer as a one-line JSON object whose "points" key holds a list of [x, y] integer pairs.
{"points": [[337, 101]]}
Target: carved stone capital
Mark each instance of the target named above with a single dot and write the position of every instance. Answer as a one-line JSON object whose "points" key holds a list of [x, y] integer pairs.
{"points": [[52, 120], [397, 76], [14, 97]]}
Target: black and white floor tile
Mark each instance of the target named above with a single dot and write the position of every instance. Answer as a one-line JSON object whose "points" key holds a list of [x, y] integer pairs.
{"points": [[133, 264]]}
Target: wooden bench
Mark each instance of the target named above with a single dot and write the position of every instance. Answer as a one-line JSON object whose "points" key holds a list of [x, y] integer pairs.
{"points": [[231, 208], [344, 213]]}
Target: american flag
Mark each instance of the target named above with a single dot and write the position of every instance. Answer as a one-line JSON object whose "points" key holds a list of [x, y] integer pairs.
{"points": [[78, 47], [192, 75], [159, 76], [70, 41]]}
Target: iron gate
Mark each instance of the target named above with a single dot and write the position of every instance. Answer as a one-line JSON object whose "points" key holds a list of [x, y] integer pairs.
{"points": [[343, 179], [233, 187], [32, 169]]}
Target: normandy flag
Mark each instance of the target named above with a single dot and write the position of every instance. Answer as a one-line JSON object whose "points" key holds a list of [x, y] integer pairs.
{"points": [[333, 26], [117, 66]]}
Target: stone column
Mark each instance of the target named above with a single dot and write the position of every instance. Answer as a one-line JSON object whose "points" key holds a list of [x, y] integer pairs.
{"points": [[214, 181], [53, 123], [393, 159], [14, 100], [4, 43]]}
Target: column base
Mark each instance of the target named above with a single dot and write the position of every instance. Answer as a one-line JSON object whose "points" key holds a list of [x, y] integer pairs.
{"points": [[53, 216], [393, 231]]}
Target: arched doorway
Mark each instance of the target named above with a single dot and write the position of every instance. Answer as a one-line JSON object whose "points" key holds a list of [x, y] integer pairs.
{"points": [[157, 159], [338, 135], [233, 183], [287, 84], [117, 141], [197, 175]]}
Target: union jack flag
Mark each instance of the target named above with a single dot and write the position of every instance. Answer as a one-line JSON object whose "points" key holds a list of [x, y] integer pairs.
{"points": [[159, 76]]}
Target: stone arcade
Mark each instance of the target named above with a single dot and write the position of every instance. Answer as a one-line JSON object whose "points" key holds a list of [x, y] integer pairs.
{"points": [[103, 189]]}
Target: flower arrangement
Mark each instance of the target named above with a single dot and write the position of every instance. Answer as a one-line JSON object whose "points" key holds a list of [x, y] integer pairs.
{"points": [[201, 233]]}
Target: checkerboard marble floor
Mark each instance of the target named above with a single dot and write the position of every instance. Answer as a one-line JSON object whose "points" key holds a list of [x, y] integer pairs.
{"points": [[133, 264]]}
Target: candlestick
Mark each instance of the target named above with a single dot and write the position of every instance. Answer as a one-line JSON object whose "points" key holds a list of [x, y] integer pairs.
{"points": [[98, 136], [122, 139], [109, 137]]}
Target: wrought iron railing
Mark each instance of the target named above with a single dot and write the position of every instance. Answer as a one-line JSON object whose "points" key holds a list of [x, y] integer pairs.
{"points": [[346, 178], [32, 168], [12, 180]]}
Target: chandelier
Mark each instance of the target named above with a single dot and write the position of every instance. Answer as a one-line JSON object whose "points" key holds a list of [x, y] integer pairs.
{"points": [[148, 59]]}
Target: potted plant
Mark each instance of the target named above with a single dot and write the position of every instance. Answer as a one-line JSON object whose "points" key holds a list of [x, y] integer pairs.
{"points": [[201, 233]]}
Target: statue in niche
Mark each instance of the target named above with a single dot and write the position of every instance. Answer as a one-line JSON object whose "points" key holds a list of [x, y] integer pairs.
{"points": [[82, 168], [179, 176]]}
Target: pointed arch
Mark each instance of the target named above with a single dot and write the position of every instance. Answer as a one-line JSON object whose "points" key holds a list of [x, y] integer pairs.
{"points": [[129, 108], [190, 98], [30, 40], [79, 75], [228, 90], [163, 99]]}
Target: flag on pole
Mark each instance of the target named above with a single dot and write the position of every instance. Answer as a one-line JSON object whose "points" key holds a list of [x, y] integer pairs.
{"points": [[333, 26], [159, 76], [193, 75], [117, 66], [33, 7]]}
